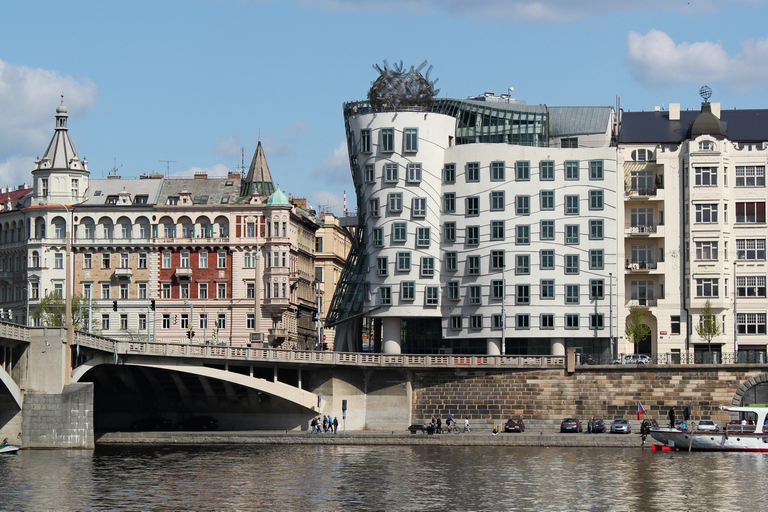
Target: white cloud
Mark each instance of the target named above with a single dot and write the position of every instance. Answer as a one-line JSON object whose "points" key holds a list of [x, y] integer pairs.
{"points": [[656, 59], [28, 100], [230, 147], [334, 169]]}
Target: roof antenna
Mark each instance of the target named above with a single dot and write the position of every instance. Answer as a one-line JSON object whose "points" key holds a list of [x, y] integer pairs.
{"points": [[168, 167]]}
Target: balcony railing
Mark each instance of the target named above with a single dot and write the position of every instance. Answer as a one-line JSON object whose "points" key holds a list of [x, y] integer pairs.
{"points": [[641, 230], [641, 192]]}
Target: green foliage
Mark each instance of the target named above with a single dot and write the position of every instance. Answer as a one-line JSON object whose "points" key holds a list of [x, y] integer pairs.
{"points": [[52, 308], [636, 330], [709, 327]]}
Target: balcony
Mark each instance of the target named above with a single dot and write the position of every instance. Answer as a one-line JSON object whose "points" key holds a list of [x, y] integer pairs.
{"points": [[642, 303], [185, 272], [642, 265], [277, 271], [277, 304], [123, 272], [6, 276], [277, 334], [640, 230]]}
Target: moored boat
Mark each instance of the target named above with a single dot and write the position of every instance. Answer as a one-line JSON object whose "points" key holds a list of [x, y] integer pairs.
{"points": [[749, 435], [9, 448]]}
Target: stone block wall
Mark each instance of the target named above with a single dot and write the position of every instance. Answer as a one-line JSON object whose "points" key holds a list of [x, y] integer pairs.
{"points": [[603, 392], [59, 420]]}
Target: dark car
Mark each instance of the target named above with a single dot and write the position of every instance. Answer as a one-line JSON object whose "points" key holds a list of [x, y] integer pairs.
{"points": [[514, 426], [570, 425], [198, 423], [599, 427], [152, 423], [587, 359]]}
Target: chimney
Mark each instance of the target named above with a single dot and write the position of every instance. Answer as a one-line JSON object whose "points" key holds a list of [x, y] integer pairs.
{"points": [[674, 111], [201, 175], [301, 202], [716, 109], [233, 176]]}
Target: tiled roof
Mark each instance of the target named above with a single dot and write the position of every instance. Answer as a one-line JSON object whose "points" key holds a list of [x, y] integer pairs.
{"points": [[655, 127]]}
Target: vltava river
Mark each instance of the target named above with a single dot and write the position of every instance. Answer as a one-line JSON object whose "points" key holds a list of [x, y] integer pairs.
{"points": [[316, 478]]}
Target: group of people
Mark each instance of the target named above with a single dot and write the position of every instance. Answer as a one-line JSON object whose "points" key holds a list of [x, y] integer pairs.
{"points": [[436, 425], [591, 425], [325, 425]]}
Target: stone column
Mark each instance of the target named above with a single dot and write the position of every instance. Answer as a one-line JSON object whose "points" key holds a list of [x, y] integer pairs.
{"points": [[557, 346], [391, 336], [494, 346]]}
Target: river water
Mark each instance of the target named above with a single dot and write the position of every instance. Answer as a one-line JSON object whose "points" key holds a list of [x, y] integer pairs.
{"points": [[423, 478]]}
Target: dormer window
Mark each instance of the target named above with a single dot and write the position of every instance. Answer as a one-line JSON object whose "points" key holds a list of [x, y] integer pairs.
{"points": [[111, 200], [642, 155], [706, 145], [140, 199], [172, 200]]}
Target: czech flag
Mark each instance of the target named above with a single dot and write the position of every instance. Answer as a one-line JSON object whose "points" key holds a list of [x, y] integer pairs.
{"points": [[640, 410]]}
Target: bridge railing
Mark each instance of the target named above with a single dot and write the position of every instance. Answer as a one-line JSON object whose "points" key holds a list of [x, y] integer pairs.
{"points": [[14, 331]]}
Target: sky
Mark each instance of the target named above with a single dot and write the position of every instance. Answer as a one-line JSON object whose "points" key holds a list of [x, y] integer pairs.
{"points": [[184, 86]]}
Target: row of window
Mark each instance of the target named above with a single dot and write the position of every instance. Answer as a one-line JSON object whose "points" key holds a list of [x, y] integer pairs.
{"points": [[387, 140], [746, 249], [746, 286], [751, 176], [168, 320], [523, 321], [746, 213], [165, 291]]}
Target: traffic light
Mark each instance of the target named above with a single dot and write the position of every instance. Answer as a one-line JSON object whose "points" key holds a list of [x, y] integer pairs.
{"points": [[192, 333], [152, 304], [189, 334], [114, 305]]}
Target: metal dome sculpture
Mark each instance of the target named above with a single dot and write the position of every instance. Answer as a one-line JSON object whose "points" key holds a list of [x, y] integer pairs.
{"points": [[397, 89]]}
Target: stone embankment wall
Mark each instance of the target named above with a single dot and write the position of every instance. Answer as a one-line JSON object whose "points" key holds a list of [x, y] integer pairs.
{"points": [[59, 420], [603, 392]]}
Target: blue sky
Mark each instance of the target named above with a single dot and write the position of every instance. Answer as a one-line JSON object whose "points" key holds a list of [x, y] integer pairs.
{"points": [[194, 81]]}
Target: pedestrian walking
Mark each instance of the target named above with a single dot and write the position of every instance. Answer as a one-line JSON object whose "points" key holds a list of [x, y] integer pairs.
{"points": [[466, 425], [325, 423], [335, 424], [439, 425]]}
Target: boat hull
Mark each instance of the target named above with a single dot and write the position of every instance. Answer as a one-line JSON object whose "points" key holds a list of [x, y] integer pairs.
{"points": [[9, 448], [705, 441]]}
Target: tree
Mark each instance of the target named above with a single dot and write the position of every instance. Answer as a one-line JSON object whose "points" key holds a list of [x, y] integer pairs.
{"points": [[635, 330], [708, 326], [51, 309]]}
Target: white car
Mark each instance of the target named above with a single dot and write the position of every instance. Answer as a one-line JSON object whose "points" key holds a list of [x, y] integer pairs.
{"points": [[637, 359], [707, 425]]}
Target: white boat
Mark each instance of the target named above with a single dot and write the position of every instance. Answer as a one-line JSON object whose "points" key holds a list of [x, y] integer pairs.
{"points": [[9, 448], [746, 436]]}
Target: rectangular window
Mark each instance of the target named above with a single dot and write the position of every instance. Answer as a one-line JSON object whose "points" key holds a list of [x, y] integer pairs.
{"points": [[547, 289], [453, 290], [399, 232], [369, 173], [497, 260], [87, 261], [750, 213], [250, 291], [474, 292], [184, 290], [413, 173], [523, 205], [572, 170], [572, 234], [547, 230], [449, 202], [407, 290], [674, 322], [750, 286], [596, 229], [522, 234], [476, 322], [373, 207], [497, 200], [427, 266], [388, 139], [523, 321], [403, 261], [166, 321], [596, 169], [422, 237], [202, 290], [571, 321], [106, 261], [377, 237], [497, 289], [596, 259], [473, 206], [750, 323], [449, 231], [104, 322], [706, 176], [86, 291], [456, 322], [105, 288], [473, 172], [449, 173], [522, 171], [707, 213], [497, 171], [203, 321], [419, 207], [184, 260], [547, 259], [473, 265], [596, 200], [750, 176], [451, 261], [596, 289], [142, 260], [473, 235], [411, 140], [707, 251], [496, 321], [382, 266], [497, 230], [221, 321], [750, 249], [522, 264], [571, 205], [165, 291], [390, 173], [596, 321], [432, 295], [123, 322], [571, 294], [707, 287], [569, 142], [571, 264], [221, 261], [221, 290], [365, 141], [522, 294], [547, 200], [547, 321], [250, 321], [394, 202], [546, 170], [58, 260], [142, 290]]}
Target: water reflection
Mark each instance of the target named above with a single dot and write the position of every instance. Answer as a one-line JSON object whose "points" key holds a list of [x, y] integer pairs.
{"points": [[381, 478]]}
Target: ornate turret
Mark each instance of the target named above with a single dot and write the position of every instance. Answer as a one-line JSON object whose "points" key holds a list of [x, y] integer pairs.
{"points": [[259, 179]]}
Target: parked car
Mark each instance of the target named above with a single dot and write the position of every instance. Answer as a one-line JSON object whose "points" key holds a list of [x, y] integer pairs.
{"points": [[152, 423], [587, 359], [637, 359], [570, 425], [621, 426], [599, 427], [707, 425], [514, 426], [198, 423]]}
